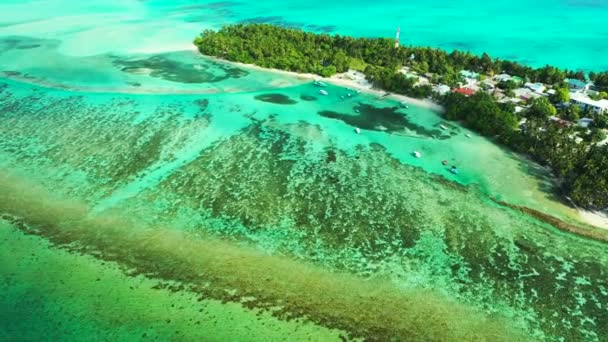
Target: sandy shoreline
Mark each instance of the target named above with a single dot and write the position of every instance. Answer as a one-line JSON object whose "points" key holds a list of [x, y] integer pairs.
{"points": [[357, 82], [594, 218]]}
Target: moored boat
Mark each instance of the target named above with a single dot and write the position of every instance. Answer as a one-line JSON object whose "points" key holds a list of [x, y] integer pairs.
{"points": [[323, 92]]}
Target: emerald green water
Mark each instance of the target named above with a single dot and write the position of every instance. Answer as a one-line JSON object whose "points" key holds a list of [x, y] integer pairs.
{"points": [[147, 192], [54, 295]]}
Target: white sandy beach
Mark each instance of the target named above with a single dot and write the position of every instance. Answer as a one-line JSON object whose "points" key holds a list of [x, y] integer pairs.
{"points": [[351, 79], [594, 218], [356, 80]]}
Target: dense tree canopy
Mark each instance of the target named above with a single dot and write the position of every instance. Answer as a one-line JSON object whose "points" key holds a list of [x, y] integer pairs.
{"points": [[590, 186], [296, 50], [541, 108], [481, 113], [600, 80], [562, 95]]}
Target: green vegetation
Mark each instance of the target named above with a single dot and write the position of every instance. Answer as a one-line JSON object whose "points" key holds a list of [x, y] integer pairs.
{"points": [[541, 108], [481, 113], [507, 85], [295, 50], [600, 80], [580, 162], [357, 64], [562, 95]]}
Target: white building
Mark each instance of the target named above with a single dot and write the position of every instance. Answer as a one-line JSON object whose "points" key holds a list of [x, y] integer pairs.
{"points": [[536, 87], [585, 122], [441, 89], [470, 78], [525, 94], [583, 101], [502, 78]]}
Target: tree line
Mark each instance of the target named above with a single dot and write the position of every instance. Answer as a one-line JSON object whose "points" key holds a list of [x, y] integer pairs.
{"points": [[572, 153]]}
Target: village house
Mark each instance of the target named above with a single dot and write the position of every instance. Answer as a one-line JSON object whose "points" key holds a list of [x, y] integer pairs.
{"points": [[502, 78], [561, 122], [488, 85], [586, 103], [577, 85], [465, 91], [470, 78], [585, 122], [441, 89], [536, 87], [525, 94]]}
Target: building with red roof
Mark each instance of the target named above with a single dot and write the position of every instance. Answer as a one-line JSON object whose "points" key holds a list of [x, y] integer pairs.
{"points": [[465, 91]]}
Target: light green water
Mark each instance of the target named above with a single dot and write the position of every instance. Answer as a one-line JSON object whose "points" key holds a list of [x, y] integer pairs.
{"points": [[57, 296]]}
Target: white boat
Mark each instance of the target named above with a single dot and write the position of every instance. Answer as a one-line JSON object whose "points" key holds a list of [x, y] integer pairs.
{"points": [[468, 135], [319, 83], [443, 127], [357, 130], [417, 154], [323, 92]]}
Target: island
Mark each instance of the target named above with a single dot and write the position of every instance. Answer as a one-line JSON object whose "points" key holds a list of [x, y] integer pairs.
{"points": [[554, 116]]}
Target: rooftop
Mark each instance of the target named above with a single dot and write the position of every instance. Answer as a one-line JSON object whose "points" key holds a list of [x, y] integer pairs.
{"points": [[465, 91], [469, 74], [576, 83], [584, 99]]}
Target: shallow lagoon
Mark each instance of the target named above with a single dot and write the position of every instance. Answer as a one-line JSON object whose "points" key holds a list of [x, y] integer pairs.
{"points": [[267, 169]]}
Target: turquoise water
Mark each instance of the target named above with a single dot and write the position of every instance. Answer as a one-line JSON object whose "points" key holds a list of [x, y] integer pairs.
{"points": [[146, 191], [570, 34]]}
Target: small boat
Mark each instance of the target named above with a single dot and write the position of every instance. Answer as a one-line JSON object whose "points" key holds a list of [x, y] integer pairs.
{"points": [[342, 96], [417, 154], [404, 105], [357, 130], [445, 162], [454, 170], [443, 127], [468, 135], [319, 83], [357, 111], [323, 92], [382, 96], [349, 94]]}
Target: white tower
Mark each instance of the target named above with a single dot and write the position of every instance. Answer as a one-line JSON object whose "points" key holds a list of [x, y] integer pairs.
{"points": [[397, 37]]}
